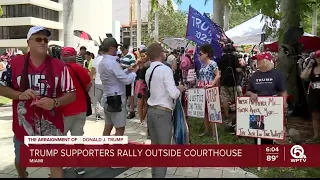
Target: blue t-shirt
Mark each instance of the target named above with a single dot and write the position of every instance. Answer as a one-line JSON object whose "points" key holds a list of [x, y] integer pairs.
{"points": [[267, 83]]}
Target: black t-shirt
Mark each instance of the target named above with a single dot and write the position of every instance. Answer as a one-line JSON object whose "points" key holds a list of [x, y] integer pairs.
{"points": [[228, 64], [267, 83]]}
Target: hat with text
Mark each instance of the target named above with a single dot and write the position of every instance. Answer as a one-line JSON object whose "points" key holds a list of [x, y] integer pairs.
{"points": [[35, 29], [68, 52], [262, 56]]}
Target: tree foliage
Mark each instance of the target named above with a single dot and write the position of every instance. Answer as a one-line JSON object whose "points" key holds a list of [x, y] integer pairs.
{"points": [[155, 5], [1, 12], [171, 24], [239, 14]]}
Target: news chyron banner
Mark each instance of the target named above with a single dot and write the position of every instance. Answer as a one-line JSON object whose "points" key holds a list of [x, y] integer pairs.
{"points": [[113, 151]]}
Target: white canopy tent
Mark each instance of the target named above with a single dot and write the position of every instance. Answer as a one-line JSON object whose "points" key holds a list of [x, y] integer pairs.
{"points": [[250, 32]]}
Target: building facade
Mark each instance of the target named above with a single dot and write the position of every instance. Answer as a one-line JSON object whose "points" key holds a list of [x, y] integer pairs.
{"points": [[126, 33], [20, 15], [94, 17]]}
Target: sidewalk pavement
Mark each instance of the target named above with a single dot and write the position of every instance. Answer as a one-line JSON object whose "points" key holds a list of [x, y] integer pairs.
{"points": [[134, 131]]}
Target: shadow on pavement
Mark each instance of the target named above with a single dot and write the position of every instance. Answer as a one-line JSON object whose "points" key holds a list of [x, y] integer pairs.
{"points": [[95, 173], [5, 118]]}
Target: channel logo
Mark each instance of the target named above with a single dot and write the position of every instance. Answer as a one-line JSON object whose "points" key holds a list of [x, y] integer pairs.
{"points": [[297, 153]]}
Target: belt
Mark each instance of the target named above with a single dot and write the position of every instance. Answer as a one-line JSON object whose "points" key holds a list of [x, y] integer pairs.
{"points": [[161, 108]]}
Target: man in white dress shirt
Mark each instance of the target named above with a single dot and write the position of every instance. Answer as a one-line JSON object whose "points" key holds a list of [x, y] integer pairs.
{"points": [[163, 92], [114, 80]]}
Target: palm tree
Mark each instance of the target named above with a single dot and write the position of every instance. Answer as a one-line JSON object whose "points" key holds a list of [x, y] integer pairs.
{"points": [[154, 8], [221, 8], [68, 22]]}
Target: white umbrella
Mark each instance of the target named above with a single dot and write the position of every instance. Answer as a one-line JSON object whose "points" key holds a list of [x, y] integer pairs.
{"points": [[175, 43]]}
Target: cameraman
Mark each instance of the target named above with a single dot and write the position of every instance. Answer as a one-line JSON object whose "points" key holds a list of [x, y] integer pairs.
{"points": [[230, 68]]}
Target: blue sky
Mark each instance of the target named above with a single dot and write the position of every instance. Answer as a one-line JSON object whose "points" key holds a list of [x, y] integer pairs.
{"points": [[198, 5]]}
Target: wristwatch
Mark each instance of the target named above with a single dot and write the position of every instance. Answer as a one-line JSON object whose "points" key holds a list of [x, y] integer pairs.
{"points": [[56, 103]]}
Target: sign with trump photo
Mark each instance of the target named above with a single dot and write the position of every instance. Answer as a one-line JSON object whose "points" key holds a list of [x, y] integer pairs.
{"points": [[263, 118]]}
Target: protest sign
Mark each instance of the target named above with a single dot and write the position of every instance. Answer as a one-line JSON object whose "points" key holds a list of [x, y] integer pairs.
{"points": [[261, 119], [213, 105], [196, 103], [191, 75]]}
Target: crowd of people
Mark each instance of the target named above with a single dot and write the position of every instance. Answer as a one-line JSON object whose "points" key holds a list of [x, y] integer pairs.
{"points": [[52, 97]]}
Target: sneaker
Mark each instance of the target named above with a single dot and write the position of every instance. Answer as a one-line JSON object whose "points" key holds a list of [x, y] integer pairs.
{"points": [[131, 115], [144, 124], [80, 171]]}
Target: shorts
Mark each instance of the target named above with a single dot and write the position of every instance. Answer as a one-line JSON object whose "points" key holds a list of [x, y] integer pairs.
{"points": [[229, 94], [17, 145], [129, 90], [75, 124], [116, 119]]}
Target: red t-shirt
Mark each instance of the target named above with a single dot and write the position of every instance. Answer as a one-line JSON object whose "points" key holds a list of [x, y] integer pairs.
{"points": [[80, 104], [51, 79]]}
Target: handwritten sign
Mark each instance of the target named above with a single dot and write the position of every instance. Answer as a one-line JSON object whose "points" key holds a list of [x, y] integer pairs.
{"points": [[261, 119], [213, 105], [196, 103]]}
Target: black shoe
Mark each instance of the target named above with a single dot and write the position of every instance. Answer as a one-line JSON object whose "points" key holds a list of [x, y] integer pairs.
{"points": [[131, 115]]}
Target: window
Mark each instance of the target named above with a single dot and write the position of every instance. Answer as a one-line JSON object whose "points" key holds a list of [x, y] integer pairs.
{"points": [[20, 32], [28, 10]]}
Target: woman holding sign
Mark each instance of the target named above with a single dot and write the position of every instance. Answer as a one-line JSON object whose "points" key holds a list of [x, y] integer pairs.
{"points": [[266, 81], [209, 76], [312, 73]]}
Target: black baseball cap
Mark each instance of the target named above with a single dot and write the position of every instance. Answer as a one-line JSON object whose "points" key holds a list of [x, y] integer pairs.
{"points": [[110, 42]]}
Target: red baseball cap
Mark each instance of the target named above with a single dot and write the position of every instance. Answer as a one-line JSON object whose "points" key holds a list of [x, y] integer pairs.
{"points": [[317, 53], [262, 56], [68, 51]]}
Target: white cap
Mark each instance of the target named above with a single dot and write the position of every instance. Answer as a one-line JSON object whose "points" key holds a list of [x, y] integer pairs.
{"points": [[36, 29]]}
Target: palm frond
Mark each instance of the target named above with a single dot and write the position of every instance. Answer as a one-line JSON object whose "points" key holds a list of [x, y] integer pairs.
{"points": [[206, 2]]}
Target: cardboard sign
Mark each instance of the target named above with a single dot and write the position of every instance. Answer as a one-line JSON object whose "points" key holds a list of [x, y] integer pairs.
{"points": [[213, 105], [261, 119], [196, 103]]}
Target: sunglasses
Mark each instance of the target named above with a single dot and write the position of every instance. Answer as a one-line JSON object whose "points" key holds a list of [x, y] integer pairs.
{"points": [[39, 40]]}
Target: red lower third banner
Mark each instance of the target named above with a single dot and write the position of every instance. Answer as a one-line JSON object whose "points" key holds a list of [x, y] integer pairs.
{"points": [[170, 156]]}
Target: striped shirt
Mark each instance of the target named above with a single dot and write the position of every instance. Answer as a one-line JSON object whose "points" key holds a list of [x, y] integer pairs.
{"points": [[128, 60], [80, 59]]}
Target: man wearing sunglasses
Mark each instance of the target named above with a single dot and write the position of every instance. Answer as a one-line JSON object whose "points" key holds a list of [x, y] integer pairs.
{"points": [[38, 85]]}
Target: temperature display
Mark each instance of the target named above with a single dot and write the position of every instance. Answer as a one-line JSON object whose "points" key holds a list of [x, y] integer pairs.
{"points": [[272, 158]]}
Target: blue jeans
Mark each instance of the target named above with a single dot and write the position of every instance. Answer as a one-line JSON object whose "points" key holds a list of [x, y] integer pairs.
{"points": [[17, 145]]}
